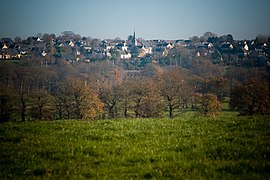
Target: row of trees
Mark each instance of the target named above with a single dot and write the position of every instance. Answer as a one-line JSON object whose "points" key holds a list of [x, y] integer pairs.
{"points": [[33, 90]]}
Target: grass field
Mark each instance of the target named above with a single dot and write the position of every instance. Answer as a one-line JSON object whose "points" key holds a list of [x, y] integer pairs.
{"points": [[188, 147]]}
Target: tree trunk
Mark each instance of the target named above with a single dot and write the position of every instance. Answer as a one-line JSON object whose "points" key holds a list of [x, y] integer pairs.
{"points": [[68, 111], [60, 111], [23, 108], [126, 110], [137, 108], [170, 110], [78, 107], [170, 107]]}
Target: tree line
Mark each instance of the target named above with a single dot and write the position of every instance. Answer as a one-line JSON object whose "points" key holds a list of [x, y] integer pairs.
{"points": [[36, 90]]}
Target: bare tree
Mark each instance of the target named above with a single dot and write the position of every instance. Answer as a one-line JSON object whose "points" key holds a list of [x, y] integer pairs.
{"points": [[175, 89], [41, 105], [23, 87], [145, 99], [111, 96], [6, 103], [78, 96]]}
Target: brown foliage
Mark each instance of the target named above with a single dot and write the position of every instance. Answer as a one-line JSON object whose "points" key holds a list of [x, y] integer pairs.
{"points": [[216, 85], [251, 97], [41, 105], [80, 100], [175, 89], [111, 96], [145, 98], [207, 104]]}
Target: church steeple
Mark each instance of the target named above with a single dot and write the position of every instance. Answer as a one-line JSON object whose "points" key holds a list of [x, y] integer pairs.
{"points": [[134, 41], [134, 35]]}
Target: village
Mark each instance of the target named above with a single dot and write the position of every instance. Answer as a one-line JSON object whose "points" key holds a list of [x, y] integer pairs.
{"points": [[72, 48]]}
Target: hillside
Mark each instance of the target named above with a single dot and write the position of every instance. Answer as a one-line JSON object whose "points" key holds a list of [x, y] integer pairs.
{"points": [[188, 147]]}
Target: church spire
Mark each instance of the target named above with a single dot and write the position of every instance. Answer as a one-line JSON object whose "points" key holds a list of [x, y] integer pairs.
{"points": [[134, 41], [134, 35]]}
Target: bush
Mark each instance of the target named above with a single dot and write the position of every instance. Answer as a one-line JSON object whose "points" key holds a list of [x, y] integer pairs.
{"points": [[207, 104]]}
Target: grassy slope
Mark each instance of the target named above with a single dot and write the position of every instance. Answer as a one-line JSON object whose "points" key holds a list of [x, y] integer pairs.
{"points": [[187, 147]]}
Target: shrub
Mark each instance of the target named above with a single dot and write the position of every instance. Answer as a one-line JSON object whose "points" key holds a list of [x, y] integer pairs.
{"points": [[207, 104]]}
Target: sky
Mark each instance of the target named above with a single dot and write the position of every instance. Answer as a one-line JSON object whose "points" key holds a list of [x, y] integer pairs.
{"points": [[151, 19]]}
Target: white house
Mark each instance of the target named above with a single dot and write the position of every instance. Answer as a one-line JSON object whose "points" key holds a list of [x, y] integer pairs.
{"points": [[210, 45], [170, 46], [39, 40], [5, 46], [125, 47], [109, 47], [43, 53], [71, 43], [246, 47], [125, 56]]}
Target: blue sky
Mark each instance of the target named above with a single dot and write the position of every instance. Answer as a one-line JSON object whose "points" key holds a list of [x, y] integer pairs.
{"points": [[152, 19]]}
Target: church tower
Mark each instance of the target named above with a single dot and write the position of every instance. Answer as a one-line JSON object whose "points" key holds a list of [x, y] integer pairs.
{"points": [[134, 40]]}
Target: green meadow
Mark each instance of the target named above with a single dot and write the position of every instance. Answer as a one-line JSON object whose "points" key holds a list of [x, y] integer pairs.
{"points": [[187, 147]]}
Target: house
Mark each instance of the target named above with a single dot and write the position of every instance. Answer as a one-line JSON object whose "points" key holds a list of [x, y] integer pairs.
{"points": [[88, 49], [44, 53], [124, 47], [23, 49], [208, 45], [39, 40], [165, 52], [125, 55], [71, 43], [145, 51], [242, 49], [120, 46], [108, 54], [5, 46], [9, 54], [108, 47], [226, 47], [260, 51], [8, 49], [170, 46]]}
